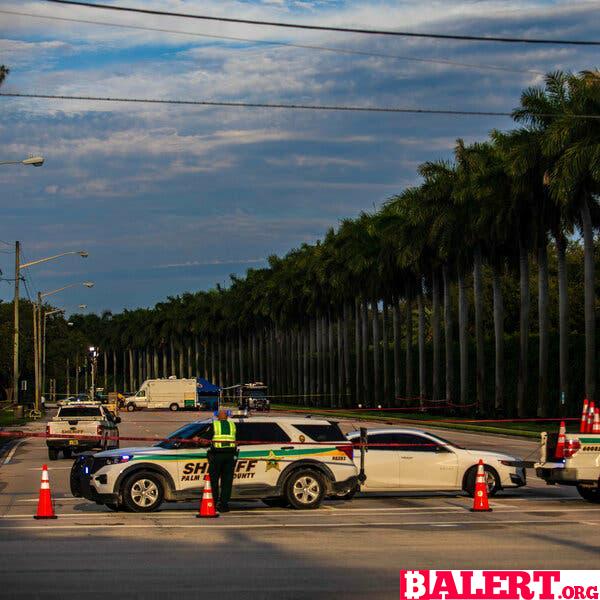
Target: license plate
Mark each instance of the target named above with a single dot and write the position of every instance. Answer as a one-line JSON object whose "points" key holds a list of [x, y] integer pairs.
{"points": [[73, 442]]}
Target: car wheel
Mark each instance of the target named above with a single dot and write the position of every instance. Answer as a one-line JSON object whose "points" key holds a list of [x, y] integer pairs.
{"points": [[174, 407], [590, 494], [52, 454], [276, 502], [143, 492], [491, 479], [305, 489], [130, 407]]}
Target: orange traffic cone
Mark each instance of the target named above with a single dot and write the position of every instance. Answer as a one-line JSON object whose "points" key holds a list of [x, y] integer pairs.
{"points": [[480, 498], [584, 415], [207, 504], [559, 453], [596, 425], [45, 509], [590, 418]]}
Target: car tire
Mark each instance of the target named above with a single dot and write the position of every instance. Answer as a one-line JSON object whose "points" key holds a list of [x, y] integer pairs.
{"points": [[130, 407], [491, 477], [52, 454], [589, 494], [143, 492], [305, 489], [174, 407], [276, 502]]}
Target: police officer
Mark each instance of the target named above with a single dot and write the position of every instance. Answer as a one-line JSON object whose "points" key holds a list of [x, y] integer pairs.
{"points": [[221, 459]]}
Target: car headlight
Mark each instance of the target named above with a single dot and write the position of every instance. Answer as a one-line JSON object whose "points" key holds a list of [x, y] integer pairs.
{"points": [[115, 460]]}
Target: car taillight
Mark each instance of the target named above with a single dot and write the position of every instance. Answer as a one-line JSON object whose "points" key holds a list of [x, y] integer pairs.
{"points": [[571, 447], [347, 449]]}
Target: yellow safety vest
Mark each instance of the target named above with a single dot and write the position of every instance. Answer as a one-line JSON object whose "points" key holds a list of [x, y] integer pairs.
{"points": [[224, 434]]}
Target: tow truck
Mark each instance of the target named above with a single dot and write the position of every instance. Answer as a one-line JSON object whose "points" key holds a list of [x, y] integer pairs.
{"points": [[578, 466]]}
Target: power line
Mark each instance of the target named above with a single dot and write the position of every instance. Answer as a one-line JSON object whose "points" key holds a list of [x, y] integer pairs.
{"points": [[440, 61], [313, 107], [439, 36]]}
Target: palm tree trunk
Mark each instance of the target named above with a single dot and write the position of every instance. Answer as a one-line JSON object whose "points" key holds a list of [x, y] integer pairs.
{"points": [[589, 302], [376, 353], [563, 319], [196, 356], [124, 366], [189, 358], [448, 340], [435, 334], [155, 363], [131, 367], [544, 327], [421, 340], [114, 361], [77, 374], [523, 328], [344, 390], [340, 362], [220, 361], [498, 339], [319, 357], [479, 339], [305, 361], [384, 354], [172, 356], [463, 348], [332, 401], [397, 349], [181, 374], [241, 356], [357, 346], [409, 341], [105, 374], [365, 351]]}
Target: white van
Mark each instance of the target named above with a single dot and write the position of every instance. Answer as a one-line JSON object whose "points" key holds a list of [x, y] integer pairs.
{"points": [[174, 394]]}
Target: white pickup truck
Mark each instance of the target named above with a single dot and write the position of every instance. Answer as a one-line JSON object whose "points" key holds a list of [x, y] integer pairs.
{"points": [[579, 467], [81, 419]]}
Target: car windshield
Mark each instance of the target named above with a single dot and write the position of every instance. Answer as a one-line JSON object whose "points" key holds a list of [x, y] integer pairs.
{"points": [[80, 411], [187, 432]]}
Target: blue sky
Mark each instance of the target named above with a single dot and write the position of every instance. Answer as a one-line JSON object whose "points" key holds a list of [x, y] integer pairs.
{"points": [[172, 199]]}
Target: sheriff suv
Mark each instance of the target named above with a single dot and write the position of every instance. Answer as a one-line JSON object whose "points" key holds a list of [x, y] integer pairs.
{"points": [[283, 461]]}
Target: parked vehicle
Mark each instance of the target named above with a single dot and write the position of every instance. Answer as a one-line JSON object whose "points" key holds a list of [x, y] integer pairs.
{"points": [[578, 466], [81, 419], [281, 467], [174, 394], [253, 396], [404, 459]]}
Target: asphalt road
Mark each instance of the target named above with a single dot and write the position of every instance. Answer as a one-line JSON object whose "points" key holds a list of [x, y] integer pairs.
{"points": [[343, 550]]}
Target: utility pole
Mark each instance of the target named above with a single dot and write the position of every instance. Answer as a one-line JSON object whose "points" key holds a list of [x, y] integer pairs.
{"points": [[16, 322]]}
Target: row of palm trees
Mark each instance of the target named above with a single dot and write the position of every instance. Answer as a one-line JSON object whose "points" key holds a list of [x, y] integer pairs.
{"points": [[377, 309]]}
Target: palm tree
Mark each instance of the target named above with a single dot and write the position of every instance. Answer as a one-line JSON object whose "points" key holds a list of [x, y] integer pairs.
{"points": [[572, 143]]}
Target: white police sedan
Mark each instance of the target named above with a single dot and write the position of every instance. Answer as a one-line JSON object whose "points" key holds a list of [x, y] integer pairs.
{"points": [[403, 459]]}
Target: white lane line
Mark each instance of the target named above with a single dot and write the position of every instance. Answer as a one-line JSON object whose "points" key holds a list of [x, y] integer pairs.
{"points": [[55, 500], [491, 523], [10, 455], [288, 514]]}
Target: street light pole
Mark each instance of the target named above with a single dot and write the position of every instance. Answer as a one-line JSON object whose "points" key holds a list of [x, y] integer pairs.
{"points": [[18, 268], [15, 397], [37, 329], [46, 315]]}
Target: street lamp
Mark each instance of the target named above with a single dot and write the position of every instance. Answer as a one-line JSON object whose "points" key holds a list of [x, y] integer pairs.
{"points": [[34, 161], [18, 268], [37, 331]]}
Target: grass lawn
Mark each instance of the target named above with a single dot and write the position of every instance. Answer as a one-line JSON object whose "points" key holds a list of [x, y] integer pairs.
{"points": [[523, 429]]}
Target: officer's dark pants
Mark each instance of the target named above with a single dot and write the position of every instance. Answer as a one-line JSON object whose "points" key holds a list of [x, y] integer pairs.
{"points": [[221, 464]]}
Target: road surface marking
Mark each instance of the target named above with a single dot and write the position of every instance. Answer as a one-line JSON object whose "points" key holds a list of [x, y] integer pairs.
{"points": [[12, 453], [205, 526]]}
